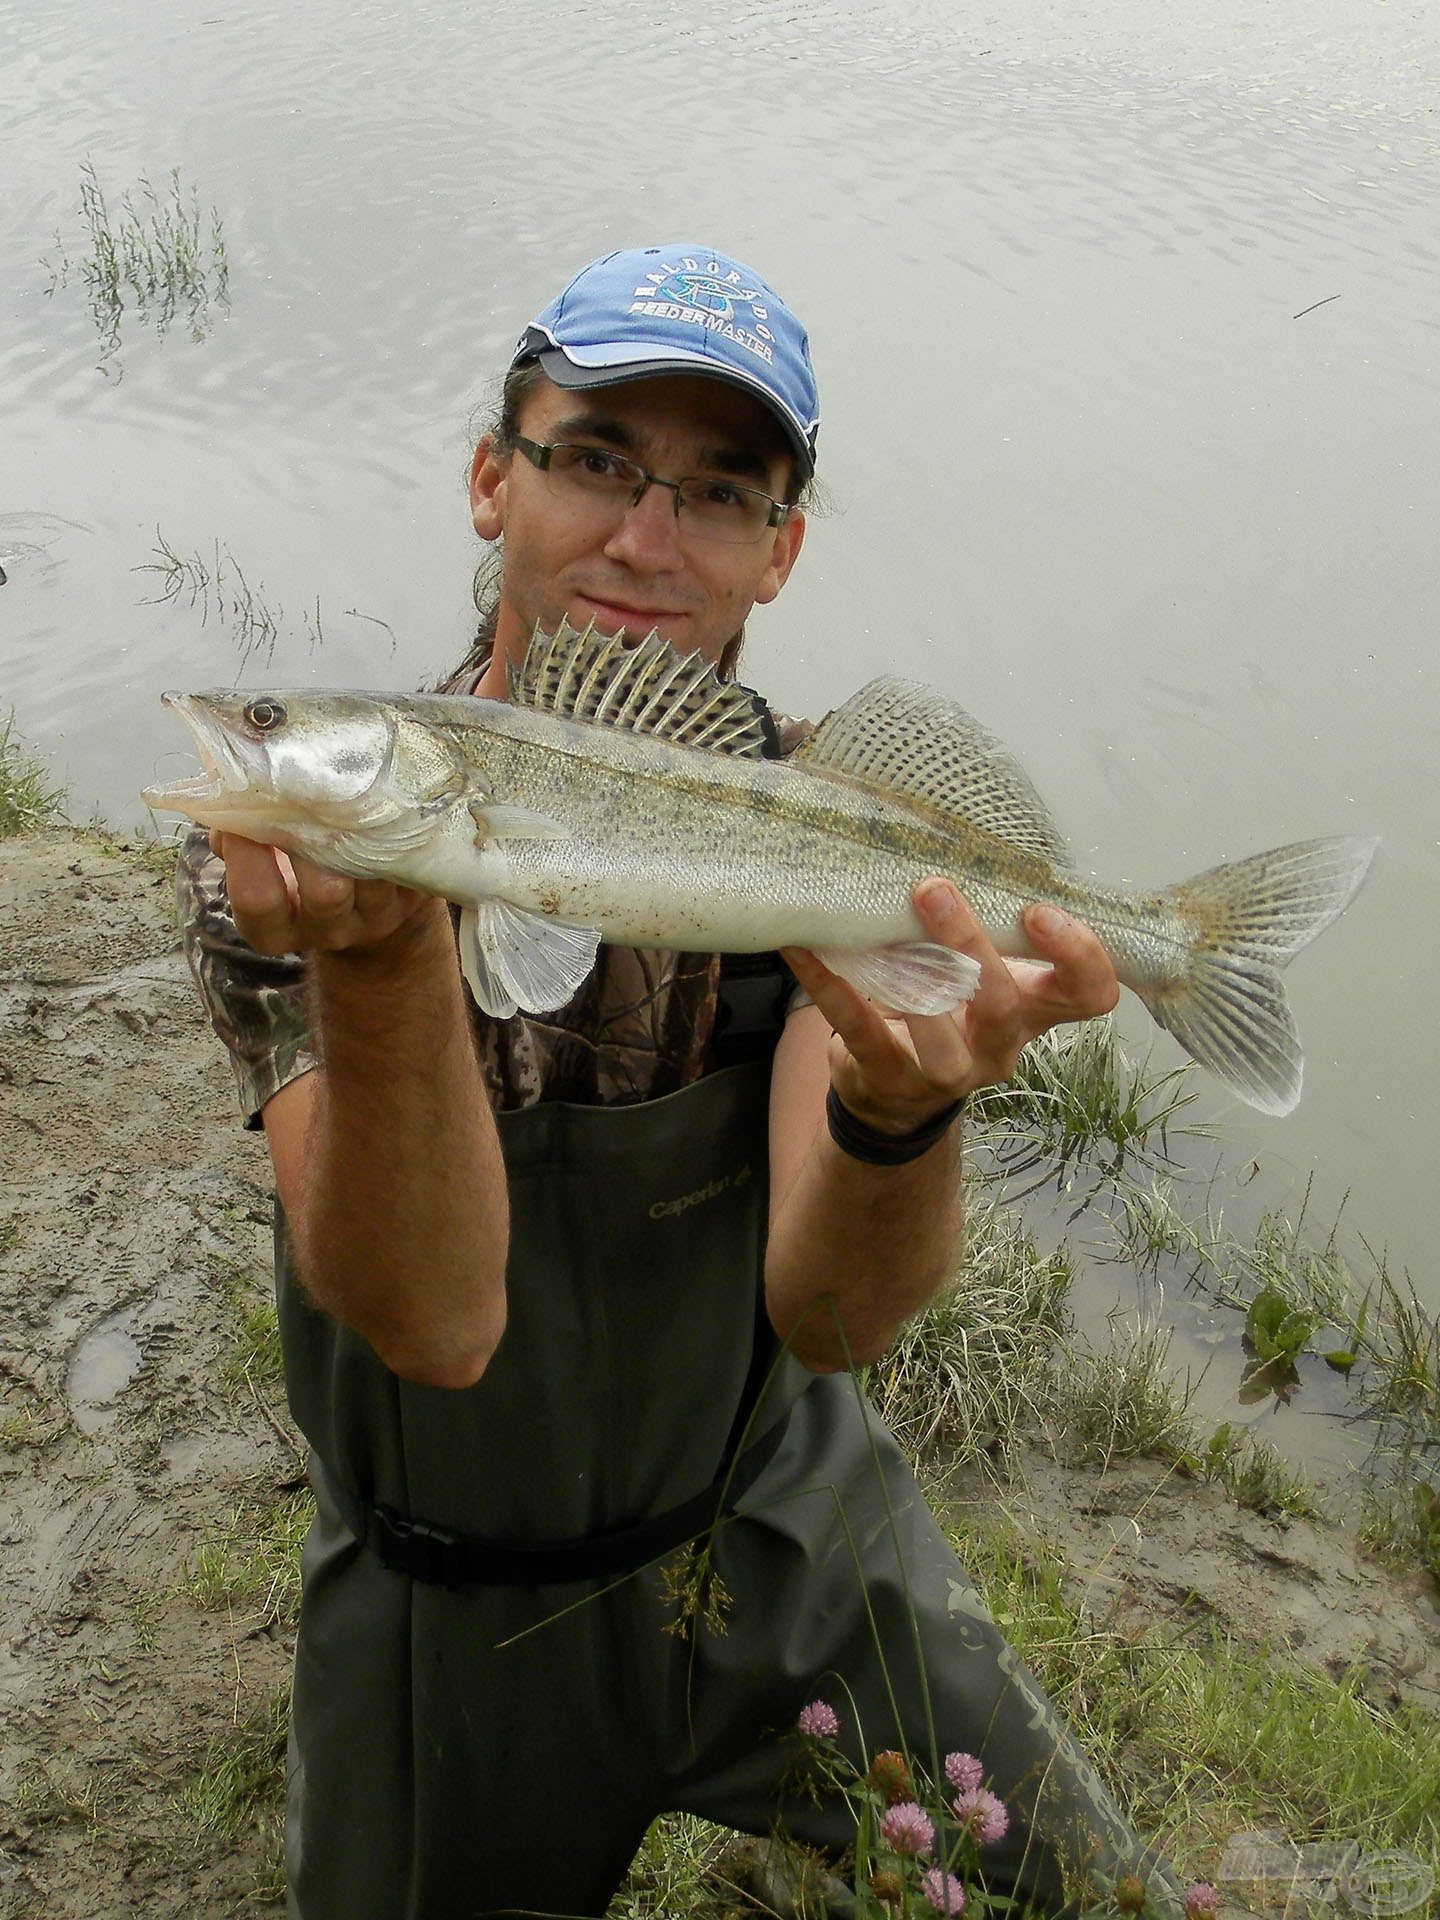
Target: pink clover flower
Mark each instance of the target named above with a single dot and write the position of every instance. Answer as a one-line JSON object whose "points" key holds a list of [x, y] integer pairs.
{"points": [[908, 1828]]}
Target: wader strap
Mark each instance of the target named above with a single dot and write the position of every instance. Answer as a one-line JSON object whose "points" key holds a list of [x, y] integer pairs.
{"points": [[445, 1558], [752, 1000]]}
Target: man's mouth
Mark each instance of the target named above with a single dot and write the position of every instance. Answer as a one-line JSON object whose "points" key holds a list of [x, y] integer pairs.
{"points": [[611, 615]]}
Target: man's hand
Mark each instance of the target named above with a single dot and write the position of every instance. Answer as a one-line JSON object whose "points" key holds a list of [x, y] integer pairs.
{"points": [[896, 1074], [283, 904]]}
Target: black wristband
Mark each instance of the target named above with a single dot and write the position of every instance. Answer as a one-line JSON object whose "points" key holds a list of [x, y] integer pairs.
{"points": [[876, 1149]]}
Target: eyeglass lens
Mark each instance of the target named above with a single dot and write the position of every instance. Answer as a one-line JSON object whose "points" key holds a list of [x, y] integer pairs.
{"points": [[718, 509]]}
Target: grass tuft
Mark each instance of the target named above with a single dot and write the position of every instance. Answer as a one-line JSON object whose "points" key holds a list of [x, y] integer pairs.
{"points": [[27, 800], [973, 1368], [1254, 1473], [1076, 1097], [1400, 1511], [239, 1786], [673, 1876], [250, 1563], [1122, 1402]]}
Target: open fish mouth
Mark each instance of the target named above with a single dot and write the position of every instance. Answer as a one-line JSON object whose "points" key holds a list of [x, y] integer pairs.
{"points": [[223, 774]]}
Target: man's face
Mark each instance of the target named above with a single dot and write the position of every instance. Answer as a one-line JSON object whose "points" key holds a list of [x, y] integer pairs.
{"points": [[638, 569]]}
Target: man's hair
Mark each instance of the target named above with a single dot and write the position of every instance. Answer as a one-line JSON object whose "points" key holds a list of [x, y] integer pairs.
{"points": [[520, 383]]}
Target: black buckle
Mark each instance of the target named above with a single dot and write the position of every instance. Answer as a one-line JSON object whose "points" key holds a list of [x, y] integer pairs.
{"points": [[417, 1547]]}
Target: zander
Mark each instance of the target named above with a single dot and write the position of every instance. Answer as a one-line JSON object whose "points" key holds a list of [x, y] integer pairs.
{"points": [[626, 794]]}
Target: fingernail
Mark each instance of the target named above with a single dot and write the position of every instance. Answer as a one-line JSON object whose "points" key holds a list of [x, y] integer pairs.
{"points": [[1049, 920], [941, 900]]}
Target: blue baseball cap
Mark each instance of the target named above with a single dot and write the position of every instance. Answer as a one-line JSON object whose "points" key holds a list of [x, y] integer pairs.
{"points": [[680, 309]]}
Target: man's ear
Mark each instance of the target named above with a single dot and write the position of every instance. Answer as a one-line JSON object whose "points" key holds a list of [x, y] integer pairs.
{"points": [[788, 539], [489, 474]]}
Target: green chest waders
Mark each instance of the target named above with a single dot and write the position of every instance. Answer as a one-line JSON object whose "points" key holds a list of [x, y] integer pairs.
{"points": [[488, 1722]]}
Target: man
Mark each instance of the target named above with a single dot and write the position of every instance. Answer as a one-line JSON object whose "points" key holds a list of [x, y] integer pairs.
{"points": [[557, 1291]]}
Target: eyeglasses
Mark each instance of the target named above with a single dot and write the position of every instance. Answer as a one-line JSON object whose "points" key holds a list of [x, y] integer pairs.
{"points": [[711, 508]]}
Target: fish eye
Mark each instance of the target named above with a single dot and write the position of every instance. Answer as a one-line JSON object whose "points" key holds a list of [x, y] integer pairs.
{"points": [[265, 715]]}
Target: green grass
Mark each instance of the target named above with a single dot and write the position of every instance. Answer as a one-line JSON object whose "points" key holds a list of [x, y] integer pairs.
{"points": [[253, 1358], [238, 1786], [1254, 1473], [973, 1368], [250, 1562], [1206, 1736], [27, 800], [1075, 1100], [1121, 1402], [1375, 1324]]}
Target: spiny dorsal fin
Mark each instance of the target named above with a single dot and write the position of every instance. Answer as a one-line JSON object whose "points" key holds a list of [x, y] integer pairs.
{"points": [[900, 737], [649, 688]]}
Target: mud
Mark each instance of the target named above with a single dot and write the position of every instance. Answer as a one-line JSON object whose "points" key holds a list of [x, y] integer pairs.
{"points": [[133, 1230], [133, 1236]]}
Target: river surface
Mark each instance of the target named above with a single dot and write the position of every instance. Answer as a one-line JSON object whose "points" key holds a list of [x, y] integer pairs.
{"points": [[1127, 334]]}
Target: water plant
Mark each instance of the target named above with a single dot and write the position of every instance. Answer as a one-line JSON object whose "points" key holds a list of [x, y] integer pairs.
{"points": [[150, 251], [1376, 1330], [217, 584], [1076, 1100]]}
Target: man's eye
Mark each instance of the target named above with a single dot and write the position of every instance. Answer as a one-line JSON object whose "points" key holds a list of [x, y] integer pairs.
{"points": [[602, 466], [720, 495]]}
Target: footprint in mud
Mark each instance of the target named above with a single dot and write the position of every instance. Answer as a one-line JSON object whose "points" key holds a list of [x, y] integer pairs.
{"points": [[26, 540], [104, 1362]]}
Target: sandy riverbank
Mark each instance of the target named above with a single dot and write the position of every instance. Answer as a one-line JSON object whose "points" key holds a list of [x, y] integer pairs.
{"points": [[133, 1234]]}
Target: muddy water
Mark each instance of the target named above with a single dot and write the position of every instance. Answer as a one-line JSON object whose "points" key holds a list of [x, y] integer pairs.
{"points": [[1127, 337]]}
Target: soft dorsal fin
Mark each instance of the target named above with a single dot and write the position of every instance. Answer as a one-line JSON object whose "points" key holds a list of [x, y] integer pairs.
{"points": [[649, 688], [900, 737]]}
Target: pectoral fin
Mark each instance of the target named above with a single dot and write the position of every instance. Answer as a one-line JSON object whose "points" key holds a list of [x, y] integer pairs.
{"points": [[494, 822], [512, 959], [919, 976]]}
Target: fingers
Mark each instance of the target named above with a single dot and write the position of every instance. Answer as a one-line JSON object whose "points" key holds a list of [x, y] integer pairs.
{"points": [[284, 903], [1080, 981], [980, 1043], [897, 1073], [260, 894], [836, 998]]}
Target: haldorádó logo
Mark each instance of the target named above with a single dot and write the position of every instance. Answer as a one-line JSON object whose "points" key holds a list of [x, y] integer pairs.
{"points": [[705, 294]]}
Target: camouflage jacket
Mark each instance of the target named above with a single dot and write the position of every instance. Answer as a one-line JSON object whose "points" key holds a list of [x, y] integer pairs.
{"points": [[639, 1027]]}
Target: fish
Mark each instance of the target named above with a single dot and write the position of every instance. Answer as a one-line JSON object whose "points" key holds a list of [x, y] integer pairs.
{"points": [[626, 793]]}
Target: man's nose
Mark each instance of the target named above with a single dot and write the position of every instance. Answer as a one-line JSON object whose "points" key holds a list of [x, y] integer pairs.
{"points": [[648, 534]]}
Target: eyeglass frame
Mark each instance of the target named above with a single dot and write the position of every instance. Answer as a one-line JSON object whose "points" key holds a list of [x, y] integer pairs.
{"points": [[538, 453]]}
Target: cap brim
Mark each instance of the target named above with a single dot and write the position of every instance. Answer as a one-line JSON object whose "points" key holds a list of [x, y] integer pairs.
{"points": [[558, 367]]}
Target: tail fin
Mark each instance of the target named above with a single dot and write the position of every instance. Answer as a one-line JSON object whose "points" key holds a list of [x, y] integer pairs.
{"points": [[1246, 920]]}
